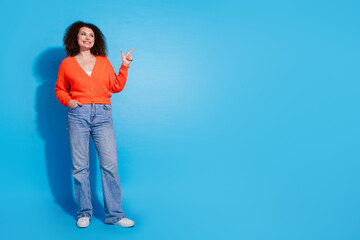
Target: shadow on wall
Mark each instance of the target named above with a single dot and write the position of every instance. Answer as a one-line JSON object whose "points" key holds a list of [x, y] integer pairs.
{"points": [[51, 125]]}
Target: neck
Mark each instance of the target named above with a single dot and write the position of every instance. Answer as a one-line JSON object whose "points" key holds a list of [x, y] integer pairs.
{"points": [[83, 54]]}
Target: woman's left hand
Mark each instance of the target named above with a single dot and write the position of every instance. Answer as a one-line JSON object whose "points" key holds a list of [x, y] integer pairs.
{"points": [[127, 58]]}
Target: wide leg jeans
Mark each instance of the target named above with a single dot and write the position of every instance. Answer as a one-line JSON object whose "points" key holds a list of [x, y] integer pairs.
{"points": [[94, 120]]}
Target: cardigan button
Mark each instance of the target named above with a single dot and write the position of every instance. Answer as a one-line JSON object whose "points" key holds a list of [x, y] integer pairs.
{"points": [[91, 89]]}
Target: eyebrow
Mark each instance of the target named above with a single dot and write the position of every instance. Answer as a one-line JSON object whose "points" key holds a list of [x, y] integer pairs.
{"points": [[86, 32]]}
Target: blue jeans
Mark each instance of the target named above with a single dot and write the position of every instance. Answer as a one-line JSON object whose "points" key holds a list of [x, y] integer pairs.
{"points": [[94, 120]]}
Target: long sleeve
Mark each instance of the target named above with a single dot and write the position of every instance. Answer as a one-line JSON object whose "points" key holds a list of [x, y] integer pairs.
{"points": [[62, 87], [117, 82]]}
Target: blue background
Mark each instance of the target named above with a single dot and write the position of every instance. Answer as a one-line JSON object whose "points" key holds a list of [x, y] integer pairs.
{"points": [[239, 120]]}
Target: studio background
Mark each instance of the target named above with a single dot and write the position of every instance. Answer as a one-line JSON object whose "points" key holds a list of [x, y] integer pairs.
{"points": [[239, 120]]}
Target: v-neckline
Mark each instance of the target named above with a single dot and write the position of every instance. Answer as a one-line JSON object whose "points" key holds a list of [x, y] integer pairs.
{"points": [[92, 71]]}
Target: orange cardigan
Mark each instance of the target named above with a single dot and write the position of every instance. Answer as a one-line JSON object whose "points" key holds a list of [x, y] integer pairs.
{"points": [[74, 83]]}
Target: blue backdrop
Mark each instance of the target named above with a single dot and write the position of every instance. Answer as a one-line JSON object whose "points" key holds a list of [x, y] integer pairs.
{"points": [[239, 120]]}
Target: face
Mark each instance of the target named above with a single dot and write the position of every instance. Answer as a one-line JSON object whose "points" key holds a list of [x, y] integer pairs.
{"points": [[86, 38]]}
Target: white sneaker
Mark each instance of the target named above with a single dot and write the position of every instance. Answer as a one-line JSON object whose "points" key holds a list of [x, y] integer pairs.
{"points": [[83, 222], [125, 222]]}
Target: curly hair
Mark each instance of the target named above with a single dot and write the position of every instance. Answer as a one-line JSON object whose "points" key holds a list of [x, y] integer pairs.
{"points": [[71, 43]]}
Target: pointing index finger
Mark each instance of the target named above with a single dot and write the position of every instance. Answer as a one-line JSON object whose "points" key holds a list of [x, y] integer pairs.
{"points": [[129, 51]]}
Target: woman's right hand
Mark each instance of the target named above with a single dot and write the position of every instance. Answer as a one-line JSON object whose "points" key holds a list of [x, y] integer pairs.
{"points": [[74, 104]]}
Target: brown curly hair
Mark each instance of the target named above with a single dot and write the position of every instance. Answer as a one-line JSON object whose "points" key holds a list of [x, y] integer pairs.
{"points": [[71, 44]]}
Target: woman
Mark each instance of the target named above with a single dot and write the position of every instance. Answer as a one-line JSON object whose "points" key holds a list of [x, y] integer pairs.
{"points": [[85, 80]]}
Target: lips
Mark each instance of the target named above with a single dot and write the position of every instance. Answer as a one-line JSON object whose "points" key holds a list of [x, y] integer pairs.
{"points": [[86, 42]]}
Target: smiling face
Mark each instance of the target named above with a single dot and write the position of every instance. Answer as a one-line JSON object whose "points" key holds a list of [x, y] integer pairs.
{"points": [[86, 38]]}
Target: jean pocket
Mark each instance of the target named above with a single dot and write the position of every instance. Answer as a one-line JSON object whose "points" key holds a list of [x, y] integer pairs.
{"points": [[107, 107], [72, 109]]}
